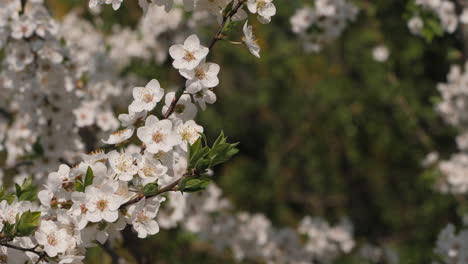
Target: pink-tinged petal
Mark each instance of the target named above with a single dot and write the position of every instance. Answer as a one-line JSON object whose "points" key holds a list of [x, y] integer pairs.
{"points": [[201, 53], [188, 74], [193, 86], [136, 107], [212, 68], [192, 43], [210, 82], [252, 6], [165, 124], [110, 216], [93, 216], [152, 227], [268, 10], [180, 64], [151, 121], [177, 51], [153, 85]]}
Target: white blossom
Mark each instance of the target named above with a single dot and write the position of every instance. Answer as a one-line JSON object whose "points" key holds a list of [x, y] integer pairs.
{"points": [[158, 135], [184, 108], [55, 240], [143, 214], [146, 98], [123, 164], [189, 55], [264, 8], [250, 41], [205, 75]]}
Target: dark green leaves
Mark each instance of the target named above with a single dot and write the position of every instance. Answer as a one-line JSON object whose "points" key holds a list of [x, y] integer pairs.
{"points": [[81, 185], [89, 177], [6, 196], [25, 224], [150, 189], [189, 184], [203, 157], [27, 191]]}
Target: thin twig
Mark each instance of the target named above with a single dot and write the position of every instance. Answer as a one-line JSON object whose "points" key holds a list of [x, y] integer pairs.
{"points": [[168, 188], [217, 36]]}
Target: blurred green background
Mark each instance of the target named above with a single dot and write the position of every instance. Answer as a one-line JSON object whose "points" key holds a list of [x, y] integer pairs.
{"points": [[332, 134]]}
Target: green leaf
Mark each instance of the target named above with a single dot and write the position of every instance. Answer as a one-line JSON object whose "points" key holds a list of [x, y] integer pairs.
{"points": [[197, 153], [150, 189], [222, 153], [193, 185], [79, 187], [27, 223], [9, 229], [6, 196], [89, 177], [203, 157], [27, 191], [220, 140]]}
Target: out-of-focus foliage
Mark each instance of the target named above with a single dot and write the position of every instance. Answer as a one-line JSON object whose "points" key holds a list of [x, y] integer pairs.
{"points": [[333, 134]]}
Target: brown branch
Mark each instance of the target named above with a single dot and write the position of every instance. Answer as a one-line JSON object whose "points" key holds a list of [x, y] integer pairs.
{"points": [[168, 188], [218, 36]]}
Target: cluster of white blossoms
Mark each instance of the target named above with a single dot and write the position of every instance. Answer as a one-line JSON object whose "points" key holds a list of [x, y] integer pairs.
{"points": [[58, 90], [444, 10], [453, 108], [324, 21], [452, 247], [252, 236], [58, 81], [35, 81], [86, 202], [265, 9], [55, 83]]}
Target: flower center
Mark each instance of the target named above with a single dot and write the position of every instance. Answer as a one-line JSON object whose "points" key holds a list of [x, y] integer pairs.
{"points": [[148, 171], [141, 217], [200, 73], [186, 135], [24, 29], [179, 108], [83, 209], [158, 137], [199, 94], [52, 240], [122, 165], [147, 98], [101, 205], [189, 56], [260, 4]]}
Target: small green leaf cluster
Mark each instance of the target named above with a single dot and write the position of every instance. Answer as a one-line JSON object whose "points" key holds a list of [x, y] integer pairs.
{"points": [[25, 225], [80, 184], [203, 157], [27, 191], [24, 192]]}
